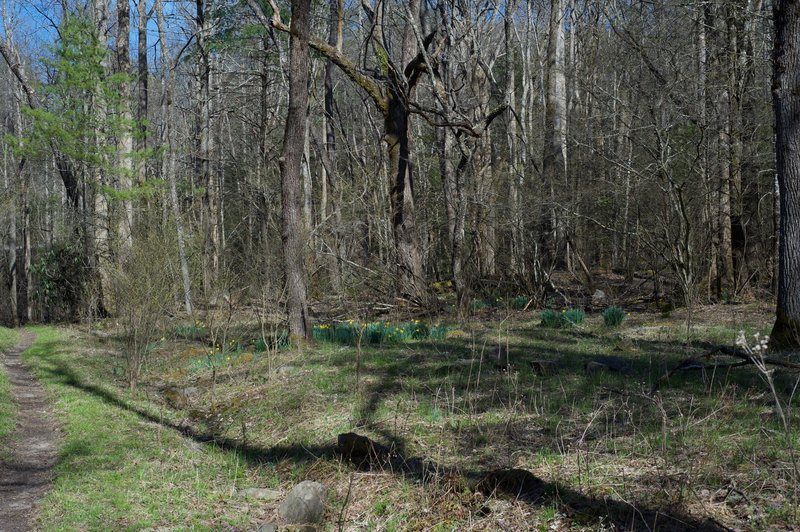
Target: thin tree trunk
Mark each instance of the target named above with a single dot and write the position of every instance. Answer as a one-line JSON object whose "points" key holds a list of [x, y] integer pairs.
{"points": [[11, 257], [168, 163], [142, 86], [335, 23]]}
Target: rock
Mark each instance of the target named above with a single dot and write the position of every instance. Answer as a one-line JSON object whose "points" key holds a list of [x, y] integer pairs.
{"points": [[178, 398], [505, 367], [544, 367], [267, 527], [518, 483], [606, 363], [360, 449], [599, 298], [595, 367], [305, 503], [262, 494]]}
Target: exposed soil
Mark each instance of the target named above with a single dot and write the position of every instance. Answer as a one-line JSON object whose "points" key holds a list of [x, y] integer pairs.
{"points": [[26, 470]]}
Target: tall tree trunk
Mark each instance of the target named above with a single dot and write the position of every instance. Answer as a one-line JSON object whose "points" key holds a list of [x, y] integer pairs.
{"points": [[10, 186], [516, 175], [333, 211], [210, 204], [786, 100], [142, 87], [554, 162], [26, 251], [291, 169], [168, 164], [125, 137], [410, 274]]}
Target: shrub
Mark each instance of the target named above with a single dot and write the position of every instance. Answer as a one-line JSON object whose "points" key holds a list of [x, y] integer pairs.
{"points": [[613, 316]]}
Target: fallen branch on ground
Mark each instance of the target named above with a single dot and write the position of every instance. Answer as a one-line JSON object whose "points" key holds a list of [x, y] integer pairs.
{"points": [[691, 364]]}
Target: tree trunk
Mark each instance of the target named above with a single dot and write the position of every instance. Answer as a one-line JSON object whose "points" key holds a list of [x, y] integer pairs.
{"points": [[11, 256], [210, 204], [786, 101], [168, 165], [332, 210], [142, 84], [410, 274], [291, 170], [554, 162], [125, 139]]}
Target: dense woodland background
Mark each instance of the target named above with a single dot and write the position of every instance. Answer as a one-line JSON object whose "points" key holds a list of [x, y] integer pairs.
{"points": [[484, 143]]}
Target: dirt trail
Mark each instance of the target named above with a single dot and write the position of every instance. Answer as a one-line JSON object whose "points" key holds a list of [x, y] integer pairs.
{"points": [[27, 470]]}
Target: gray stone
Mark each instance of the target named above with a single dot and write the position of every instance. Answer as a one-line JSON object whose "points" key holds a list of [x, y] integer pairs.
{"points": [[262, 494], [599, 298], [305, 503], [544, 367], [595, 367], [608, 363], [267, 527]]}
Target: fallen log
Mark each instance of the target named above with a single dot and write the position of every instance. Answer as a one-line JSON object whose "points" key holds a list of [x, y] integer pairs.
{"points": [[746, 359]]}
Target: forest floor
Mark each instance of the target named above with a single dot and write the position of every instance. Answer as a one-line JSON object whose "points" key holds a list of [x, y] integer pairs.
{"points": [[568, 444]]}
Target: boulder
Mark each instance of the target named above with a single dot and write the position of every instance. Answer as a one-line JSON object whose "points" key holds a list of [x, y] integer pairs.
{"points": [[544, 367], [599, 298], [608, 363], [305, 503]]}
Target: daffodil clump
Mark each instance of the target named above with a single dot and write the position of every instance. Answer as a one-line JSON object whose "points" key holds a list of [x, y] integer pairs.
{"points": [[562, 320], [351, 332], [195, 331], [613, 316]]}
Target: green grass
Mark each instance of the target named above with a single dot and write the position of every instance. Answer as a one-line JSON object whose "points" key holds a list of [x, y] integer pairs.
{"points": [[119, 470], [599, 435], [8, 337]]}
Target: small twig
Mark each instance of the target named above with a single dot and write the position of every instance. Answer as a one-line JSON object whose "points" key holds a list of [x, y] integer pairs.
{"points": [[345, 503]]}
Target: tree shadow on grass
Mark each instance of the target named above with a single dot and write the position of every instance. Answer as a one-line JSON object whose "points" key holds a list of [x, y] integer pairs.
{"points": [[515, 483]]}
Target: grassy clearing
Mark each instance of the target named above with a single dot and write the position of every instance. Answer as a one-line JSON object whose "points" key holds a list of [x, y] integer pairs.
{"points": [[8, 337], [499, 394], [118, 469], [479, 400]]}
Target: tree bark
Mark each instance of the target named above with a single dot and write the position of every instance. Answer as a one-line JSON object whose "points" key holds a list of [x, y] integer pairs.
{"points": [[332, 209], [142, 88], [168, 165], [210, 203], [125, 140], [786, 101], [291, 163], [554, 162]]}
